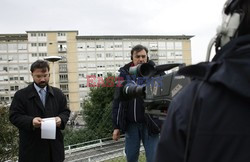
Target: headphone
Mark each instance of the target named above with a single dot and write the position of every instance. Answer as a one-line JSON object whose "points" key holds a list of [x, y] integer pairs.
{"points": [[232, 17]]}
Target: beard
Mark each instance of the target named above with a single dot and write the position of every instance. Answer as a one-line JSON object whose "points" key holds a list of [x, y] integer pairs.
{"points": [[41, 84]]}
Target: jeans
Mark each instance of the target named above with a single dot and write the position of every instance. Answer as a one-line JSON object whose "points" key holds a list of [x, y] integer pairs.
{"points": [[135, 133]]}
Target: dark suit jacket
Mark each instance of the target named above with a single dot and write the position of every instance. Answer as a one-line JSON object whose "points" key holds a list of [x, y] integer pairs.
{"points": [[27, 105], [212, 114]]}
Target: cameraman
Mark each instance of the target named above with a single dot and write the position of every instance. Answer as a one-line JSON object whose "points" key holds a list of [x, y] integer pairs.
{"points": [[129, 115], [209, 121]]}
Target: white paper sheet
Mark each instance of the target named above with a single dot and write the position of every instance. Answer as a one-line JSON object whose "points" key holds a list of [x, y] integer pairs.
{"points": [[48, 128]]}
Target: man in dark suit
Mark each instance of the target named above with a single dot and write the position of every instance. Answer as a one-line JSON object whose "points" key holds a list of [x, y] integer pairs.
{"points": [[28, 108]]}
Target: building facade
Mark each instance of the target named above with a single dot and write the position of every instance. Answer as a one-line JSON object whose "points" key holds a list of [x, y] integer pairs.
{"points": [[82, 56]]}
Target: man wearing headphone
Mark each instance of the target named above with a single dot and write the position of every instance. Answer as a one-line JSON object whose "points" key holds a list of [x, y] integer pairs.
{"points": [[129, 115], [209, 120]]}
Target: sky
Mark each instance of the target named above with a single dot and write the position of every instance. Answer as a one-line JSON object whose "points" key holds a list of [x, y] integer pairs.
{"points": [[117, 17]]}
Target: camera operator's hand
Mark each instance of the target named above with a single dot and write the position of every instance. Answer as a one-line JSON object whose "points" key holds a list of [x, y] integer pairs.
{"points": [[116, 134]]}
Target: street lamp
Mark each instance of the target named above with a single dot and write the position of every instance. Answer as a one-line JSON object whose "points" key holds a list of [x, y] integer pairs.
{"points": [[53, 59]]}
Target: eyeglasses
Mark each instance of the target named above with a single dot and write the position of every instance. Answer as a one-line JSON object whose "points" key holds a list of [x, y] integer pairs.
{"points": [[142, 56], [41, 76]]}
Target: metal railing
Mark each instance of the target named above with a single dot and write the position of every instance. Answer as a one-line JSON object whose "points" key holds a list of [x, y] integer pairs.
{"points": [[96, 151]]}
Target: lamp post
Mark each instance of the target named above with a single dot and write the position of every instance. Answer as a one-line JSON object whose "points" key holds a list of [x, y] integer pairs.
{"points": [[53, 59]]}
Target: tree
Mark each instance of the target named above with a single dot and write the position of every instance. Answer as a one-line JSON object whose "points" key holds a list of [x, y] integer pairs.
{"points": [[97, 109], [96, 114], [8, 136]]}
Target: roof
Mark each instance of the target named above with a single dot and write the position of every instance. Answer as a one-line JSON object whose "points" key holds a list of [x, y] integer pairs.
{"points": [[97, 37], [13, 37], [51, 31]]}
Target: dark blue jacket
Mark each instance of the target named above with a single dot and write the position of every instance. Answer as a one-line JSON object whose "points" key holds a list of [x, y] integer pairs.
{"points": [[214, 110], [132, 110]]}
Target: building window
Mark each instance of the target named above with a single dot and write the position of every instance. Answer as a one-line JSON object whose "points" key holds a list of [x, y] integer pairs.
{"points": [[81, 45], [91, 55], [91, 65], [118, 45], [100, 65], [178, 54], [99, 75], [33, 44], [42, 54], [3, 47], [5, 68], [81, 75], [12, 47], [162, 54], [41, 34], [81, 65], [64, 87], [13, 58], [33, 34], [127, 45], [42, 44], [23, 57], [62, 47], [22, 46], [63, 77], [63, 67], [118, 54], [34, 54], [23, 67], [109, 45], [14, 88], [109, 55], [99, 55], [100, 45], [153, 45], [81, 86], [170, 54], [178, 45], [90, 45], [67, 96], [60, 34], [170, 45], [170, 61], [118, 65], [3, 57], [162, 45]]}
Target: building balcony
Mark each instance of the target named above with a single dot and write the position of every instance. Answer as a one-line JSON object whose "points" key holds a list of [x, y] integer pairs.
{"points": [[154, 57], [153, 49], [62, 50]]}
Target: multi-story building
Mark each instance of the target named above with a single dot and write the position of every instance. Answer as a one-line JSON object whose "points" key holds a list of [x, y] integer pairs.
{"points": [[82, 56]]}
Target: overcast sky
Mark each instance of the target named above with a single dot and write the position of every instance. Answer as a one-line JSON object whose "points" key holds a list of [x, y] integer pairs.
{"points": [[117, 17]]}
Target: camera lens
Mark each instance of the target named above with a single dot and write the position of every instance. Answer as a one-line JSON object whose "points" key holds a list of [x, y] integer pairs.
{"points": [[132, 90]]}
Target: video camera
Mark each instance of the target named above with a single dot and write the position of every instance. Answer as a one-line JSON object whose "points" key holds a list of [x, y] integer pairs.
{"points": [[159, 86]]}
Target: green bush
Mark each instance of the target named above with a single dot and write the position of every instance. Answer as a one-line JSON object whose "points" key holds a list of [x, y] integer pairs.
{"points": [[8, 136]]}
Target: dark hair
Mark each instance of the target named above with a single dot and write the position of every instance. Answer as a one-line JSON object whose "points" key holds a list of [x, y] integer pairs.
{"points": [[245, 24], [39, 64], [138, 48]]}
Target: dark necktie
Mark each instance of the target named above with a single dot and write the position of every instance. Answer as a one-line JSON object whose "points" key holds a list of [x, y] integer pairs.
{"points": [[42, 96]]}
